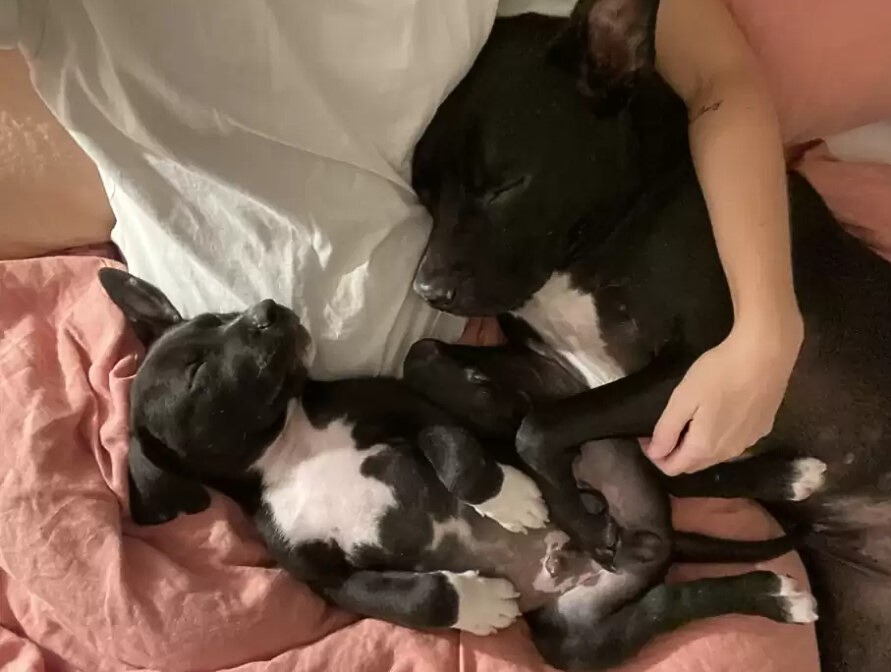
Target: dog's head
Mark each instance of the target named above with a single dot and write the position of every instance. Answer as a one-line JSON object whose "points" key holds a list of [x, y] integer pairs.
{"points": [[517, 158], [211, 393]]}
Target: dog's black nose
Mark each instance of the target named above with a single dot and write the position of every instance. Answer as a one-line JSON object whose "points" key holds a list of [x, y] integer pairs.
{"points": [[262, 315], [435, 294]]}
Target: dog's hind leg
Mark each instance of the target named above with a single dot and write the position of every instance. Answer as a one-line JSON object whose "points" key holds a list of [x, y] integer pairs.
{"points": [[767, 477], [494, 490], [593, 627]]}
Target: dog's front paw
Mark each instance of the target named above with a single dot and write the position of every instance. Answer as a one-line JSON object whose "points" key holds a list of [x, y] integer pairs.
{"points": [[518, 506], [484, 605], [808, 476], [798, 606]]}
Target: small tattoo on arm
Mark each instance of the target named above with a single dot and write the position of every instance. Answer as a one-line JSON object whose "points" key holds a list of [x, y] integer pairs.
{"points": [[704, 109]]}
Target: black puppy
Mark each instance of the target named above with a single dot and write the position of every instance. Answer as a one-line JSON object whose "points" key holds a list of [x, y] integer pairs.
{"points": [[592, 230], [385, 506]]}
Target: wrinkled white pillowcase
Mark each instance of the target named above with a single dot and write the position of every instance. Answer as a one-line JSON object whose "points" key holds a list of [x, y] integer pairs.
{"points": [[262, 149]]}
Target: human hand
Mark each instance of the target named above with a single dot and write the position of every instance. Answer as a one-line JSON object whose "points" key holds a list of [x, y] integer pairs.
{"points": [[727, 401]]}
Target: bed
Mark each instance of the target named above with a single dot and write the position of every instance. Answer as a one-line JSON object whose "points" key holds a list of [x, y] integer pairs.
{"points": [[82, 588], [85, 589]]}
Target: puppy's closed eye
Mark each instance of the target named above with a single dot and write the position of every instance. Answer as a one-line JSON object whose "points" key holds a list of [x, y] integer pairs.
{"points": [[193, 372], [503, 191], [208, 321]]}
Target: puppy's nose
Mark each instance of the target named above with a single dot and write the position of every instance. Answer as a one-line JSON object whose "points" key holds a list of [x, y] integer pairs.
{"points": [[262, 315], [435, 293]]}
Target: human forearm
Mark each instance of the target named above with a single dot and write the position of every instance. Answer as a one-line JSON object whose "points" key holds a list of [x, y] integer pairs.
{"points": [[737, 150], [729, 397]]}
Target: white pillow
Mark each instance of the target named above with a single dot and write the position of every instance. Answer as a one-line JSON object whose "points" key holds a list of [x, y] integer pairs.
{"points": [[262, 149]]}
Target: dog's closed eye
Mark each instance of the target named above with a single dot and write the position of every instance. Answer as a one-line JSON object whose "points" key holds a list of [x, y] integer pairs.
{"points": [[193, 372], [510, 187]]}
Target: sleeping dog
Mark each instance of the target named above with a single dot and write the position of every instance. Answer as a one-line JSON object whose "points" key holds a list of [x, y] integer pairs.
{"points": [[385, 506], [591, 230]]}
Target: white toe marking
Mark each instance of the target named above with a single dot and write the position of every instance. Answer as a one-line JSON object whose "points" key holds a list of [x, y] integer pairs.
{"points": [[810, 475], [800, 606], [484, 605], [518, 506]]}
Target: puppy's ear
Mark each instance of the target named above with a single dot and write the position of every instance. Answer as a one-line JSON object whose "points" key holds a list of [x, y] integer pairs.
{"points": [[148, 311], [159, 492], [607, 44]]}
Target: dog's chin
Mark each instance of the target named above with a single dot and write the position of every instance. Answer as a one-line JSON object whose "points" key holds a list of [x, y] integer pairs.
{"points": [[286, 362], [487, 304], [289, 383]]}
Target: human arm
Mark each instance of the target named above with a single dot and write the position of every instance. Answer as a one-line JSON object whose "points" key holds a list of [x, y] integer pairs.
{"points": [[730, 396]]}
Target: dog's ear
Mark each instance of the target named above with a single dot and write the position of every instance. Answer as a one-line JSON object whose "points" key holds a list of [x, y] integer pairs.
{"points": [[159, 491], [607, 44], [148, 311]]}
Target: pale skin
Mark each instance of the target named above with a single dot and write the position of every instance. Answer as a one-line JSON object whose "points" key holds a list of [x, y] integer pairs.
{"points": [[730, 396]]}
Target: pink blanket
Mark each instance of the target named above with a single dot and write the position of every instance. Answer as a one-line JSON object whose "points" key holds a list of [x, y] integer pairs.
{"points": [[82, 588]]}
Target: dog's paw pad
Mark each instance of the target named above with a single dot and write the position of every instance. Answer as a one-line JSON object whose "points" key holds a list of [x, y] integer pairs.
{"points": [[799, 606], [484, 605], [808, 476], [518, 506]]}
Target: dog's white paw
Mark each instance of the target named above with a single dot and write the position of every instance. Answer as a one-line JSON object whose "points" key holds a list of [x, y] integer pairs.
{"points": [[518, 506], [484, 605], [799, 605], [809, 475]]}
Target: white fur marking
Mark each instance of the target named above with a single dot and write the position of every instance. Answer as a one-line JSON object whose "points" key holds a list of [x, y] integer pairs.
{"points": [[455, 527], [587, 600], [567, 320], [810, 474], [800, 606], [314, 487], [484, 605], [559, 581], [518, 506]]}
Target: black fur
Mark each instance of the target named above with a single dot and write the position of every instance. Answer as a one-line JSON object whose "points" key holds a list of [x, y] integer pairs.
{"points": [[433, 466], [614, 203]]}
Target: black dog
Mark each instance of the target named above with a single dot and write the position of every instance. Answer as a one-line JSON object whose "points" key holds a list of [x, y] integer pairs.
{"points": [[594, 233], [385, 506]]}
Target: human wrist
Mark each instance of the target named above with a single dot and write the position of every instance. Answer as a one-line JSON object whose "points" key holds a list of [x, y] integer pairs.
{"points": [[776, 327]]}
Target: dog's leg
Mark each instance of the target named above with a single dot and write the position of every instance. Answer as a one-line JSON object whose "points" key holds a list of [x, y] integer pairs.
{"points": [[767, 477], [626, 408], [464, 601], [548, 442], [455, 378], [437, 599], [494, 490], [581, 631]]}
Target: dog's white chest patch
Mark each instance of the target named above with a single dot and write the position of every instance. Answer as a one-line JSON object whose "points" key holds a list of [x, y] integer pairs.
{"points": [[314, 486], [568, 321]]}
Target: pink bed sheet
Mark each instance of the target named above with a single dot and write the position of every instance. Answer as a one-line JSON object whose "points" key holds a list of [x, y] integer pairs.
{"points": [[82, 588]]}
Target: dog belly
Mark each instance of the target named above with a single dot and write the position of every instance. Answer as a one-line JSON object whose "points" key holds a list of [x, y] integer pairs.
{"points": [[311, 503], [538, 563]]}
